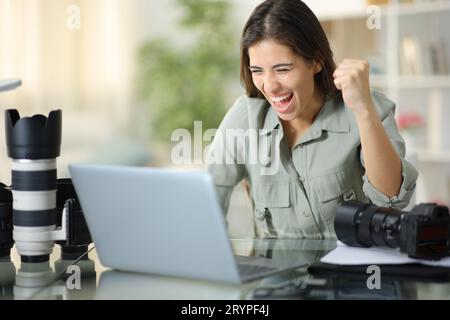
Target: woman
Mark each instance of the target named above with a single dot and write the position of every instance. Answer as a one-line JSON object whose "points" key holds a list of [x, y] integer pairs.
{"points": [[324, 135]]}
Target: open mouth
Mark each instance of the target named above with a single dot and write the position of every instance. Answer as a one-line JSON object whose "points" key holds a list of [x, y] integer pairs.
{"points": [[281, 103]]}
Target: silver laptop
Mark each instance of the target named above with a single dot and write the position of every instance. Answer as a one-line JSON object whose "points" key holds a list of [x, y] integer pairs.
{"points": [[162, 221]]}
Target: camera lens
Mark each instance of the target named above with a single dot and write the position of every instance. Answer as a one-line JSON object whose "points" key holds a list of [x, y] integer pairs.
{"points": [[363, 225], [33, 145]]}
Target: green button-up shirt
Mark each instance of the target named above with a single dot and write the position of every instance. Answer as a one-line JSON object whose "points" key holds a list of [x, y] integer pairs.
{"points": [[296, 192]]}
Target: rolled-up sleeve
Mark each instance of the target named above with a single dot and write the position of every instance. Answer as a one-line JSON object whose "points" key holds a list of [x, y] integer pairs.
{"points": [[409, 173]]}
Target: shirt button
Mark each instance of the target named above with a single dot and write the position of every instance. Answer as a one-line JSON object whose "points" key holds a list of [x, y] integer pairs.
{"points": [[306, 213], [301, 178]]}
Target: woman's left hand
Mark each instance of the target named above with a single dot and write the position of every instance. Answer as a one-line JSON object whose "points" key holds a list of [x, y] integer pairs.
{"points": [[352, 77]]}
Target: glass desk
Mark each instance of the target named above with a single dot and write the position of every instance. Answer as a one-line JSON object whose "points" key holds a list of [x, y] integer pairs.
{"points": [[86, 278]]}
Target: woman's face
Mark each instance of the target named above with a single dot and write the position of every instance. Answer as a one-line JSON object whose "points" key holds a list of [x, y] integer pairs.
{"points": [[284, 78]]}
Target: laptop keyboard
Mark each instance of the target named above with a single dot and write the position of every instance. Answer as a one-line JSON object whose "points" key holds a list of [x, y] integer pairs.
{"points": [[246, 270]]}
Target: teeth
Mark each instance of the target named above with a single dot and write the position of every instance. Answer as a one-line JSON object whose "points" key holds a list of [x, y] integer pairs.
{"points": [[279, 99]]}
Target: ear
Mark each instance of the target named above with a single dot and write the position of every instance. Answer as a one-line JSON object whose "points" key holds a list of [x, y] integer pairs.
{"points": [[317, 67]]}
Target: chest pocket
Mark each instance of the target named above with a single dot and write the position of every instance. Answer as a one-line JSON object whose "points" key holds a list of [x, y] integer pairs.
{"points": [[272, 194], [332, 189], [272, 208]]}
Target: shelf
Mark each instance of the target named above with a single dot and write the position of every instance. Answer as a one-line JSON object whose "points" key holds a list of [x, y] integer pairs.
{"points": [[359, 11], [418, 8], [326, 10], [430, 155], [410, 82], [328, 16]]}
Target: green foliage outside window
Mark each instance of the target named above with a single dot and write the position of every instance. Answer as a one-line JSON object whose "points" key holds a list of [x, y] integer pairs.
{"points": [[183, 85]]}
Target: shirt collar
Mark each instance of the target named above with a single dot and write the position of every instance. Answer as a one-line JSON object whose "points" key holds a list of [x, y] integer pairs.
{"points": [[271, 121], [332, 117]]}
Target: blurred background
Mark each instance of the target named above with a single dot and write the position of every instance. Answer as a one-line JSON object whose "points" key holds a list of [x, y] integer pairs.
{"points": [[126, 73]]}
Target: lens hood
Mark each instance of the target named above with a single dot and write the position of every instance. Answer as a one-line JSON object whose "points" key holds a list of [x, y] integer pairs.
{"points": [[36, 137]]}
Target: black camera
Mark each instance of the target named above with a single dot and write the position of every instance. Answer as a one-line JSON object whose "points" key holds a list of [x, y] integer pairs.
{"points": [[422, 233], [77, 238], [6, 223]]}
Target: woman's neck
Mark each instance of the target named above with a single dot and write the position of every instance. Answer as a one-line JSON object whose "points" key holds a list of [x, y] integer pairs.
{"points": [[306, 118]]}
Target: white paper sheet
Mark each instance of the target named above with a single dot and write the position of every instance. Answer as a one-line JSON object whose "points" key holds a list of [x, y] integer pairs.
{"points": [[346, 255]]}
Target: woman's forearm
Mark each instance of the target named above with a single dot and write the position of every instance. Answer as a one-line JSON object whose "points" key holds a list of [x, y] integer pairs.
{"points": [[382, 163]]}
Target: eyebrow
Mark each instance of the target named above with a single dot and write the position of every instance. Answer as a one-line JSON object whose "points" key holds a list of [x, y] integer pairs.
{"points": [[275, 66]]}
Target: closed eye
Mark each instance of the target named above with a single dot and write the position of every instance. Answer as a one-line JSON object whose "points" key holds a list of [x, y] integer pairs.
{"points": [[283, 70], [283, 67], [255, 70]]}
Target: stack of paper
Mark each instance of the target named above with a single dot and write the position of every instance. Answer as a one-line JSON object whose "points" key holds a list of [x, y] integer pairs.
{"points": [[346, 255]]}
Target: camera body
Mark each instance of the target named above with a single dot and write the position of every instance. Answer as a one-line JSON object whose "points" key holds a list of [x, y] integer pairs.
{"points": [[422, 233], [77, 237], [77, 233], [6, 222], [425, 231]]}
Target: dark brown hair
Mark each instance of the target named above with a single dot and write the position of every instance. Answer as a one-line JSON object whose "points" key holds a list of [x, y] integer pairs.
{"points": [[292, 23]]}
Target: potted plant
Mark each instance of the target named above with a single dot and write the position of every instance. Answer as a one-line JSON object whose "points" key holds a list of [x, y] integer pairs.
{"points": [[182, 84]]}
